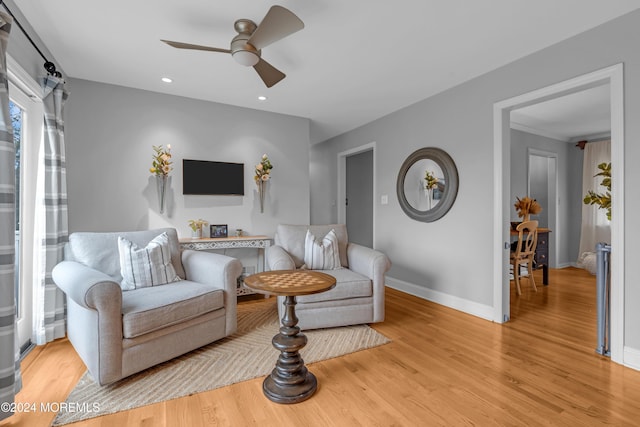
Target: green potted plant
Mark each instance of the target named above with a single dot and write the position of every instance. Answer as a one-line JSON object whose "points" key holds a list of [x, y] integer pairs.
{"points": [[603, 200]]}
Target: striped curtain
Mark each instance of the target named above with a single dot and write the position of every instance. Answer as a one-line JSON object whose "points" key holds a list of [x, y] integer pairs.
{"points": [[10, 379], [51, 217]]}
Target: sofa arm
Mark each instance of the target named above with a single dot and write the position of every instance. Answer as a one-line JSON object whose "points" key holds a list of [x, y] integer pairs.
{"points": [[279, 259], [94, 324], [366, 261], [218, 271], [374, 265], [213, 269], [86, 286]]}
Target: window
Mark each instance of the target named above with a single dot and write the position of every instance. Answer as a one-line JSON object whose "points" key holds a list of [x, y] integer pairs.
{"points": [[16, 114]]}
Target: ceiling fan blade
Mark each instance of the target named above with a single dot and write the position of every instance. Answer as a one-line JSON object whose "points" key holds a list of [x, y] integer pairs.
{"points": [[277, 24], [181, 45], [269, 74]]}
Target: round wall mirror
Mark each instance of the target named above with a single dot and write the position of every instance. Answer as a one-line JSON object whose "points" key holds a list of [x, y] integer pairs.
{"points": [[427, 184]]}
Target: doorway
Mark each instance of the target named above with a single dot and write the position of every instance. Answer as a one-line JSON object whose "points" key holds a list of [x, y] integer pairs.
{"points": [[614, 77], [356, 193], [542, 183], [359, 198]]}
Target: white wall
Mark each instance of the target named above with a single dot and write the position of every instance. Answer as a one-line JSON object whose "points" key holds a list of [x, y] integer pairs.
{"points": [[450, 259], [110, 131]]}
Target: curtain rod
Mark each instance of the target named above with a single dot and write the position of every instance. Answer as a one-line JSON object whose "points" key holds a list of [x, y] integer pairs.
{"points": [[48, 65], [581, 144]]}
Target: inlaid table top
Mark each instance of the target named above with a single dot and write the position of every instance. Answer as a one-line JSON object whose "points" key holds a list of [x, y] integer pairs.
{"points": [[290, 282]]}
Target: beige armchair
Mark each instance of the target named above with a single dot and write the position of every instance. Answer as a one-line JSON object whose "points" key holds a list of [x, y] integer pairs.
{"points": [[118, 333], [358, 296]]}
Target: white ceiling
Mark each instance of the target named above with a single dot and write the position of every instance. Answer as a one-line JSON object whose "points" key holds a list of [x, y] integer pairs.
{"points": [[581, 115], [354, 62]]}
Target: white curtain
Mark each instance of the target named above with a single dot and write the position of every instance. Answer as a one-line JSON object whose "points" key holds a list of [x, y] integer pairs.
{"points": [[595, 225], [10, 379], [52, 230]]}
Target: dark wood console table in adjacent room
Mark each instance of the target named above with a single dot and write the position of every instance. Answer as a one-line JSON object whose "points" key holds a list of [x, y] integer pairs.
{"points": [[541, 259], [290, 381]]}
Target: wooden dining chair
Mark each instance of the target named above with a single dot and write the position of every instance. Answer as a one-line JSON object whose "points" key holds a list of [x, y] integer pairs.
{"points": [[525, 252]]}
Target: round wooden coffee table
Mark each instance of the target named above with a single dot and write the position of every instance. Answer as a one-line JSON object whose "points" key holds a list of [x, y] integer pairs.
{"points": [[290, 381]]}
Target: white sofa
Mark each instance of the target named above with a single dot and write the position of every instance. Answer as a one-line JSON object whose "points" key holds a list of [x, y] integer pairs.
{"points": [[358, 296]]}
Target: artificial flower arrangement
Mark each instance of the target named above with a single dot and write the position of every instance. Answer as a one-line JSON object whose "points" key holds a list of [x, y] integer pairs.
{"points": [[197, 224], [431, 180], [161, 165], [602, 200], [527, 206], [263, 169]]}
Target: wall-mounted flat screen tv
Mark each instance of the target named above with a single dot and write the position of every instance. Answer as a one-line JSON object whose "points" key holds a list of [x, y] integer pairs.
{"points": [[218, 178]]}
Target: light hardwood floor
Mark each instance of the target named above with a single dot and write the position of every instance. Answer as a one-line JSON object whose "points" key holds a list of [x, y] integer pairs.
{"points": [[442, 368]]}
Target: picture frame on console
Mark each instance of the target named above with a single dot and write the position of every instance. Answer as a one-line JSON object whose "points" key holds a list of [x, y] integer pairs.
{"points": [[218, 230]]}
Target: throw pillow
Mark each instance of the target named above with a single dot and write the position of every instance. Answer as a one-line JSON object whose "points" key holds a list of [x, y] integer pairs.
{"points": [[321, 255], [148, 266]]}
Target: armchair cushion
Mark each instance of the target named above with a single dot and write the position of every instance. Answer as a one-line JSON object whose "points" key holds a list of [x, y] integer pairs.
{"points": [[291, 239], [348, 285], [142, 267], [100, 250], [151, 309], [321, 254]]}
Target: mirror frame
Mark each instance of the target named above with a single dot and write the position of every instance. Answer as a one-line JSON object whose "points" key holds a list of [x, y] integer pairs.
{"points": [[450, 172]]}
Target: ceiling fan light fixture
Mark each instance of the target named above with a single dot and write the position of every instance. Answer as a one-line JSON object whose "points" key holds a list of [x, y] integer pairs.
{"points": [[246, 58]]}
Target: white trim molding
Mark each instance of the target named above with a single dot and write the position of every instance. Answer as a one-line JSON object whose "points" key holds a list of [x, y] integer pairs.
{"points": [[456, 303], [614, 76], [632, 358]]}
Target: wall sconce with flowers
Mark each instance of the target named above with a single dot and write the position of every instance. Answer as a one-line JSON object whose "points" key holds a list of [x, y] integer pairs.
{"points": [[430, 183], [161, 167], [263, 174]]}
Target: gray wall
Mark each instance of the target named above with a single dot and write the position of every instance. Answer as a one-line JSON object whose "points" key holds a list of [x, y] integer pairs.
{"points": [[110, 131], [453, 256], [22, 51], [567, 232]]}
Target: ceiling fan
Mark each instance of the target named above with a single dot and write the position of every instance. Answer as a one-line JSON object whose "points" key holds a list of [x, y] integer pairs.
{"points": [[246, 47]]}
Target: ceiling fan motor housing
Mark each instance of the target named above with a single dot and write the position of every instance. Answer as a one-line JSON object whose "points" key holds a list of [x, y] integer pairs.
{"points": [[243, 52]]}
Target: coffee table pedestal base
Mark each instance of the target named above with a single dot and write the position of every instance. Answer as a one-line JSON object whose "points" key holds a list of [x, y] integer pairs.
{"points": [[290, 381], [290, 393]]}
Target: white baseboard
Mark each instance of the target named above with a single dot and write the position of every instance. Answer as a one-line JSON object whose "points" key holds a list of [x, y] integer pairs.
{"points": [[631, 358], [566, 264], [457, 303]]}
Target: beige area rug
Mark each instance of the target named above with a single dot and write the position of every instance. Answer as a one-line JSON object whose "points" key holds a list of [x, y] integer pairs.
{"points": [[245, 355]]}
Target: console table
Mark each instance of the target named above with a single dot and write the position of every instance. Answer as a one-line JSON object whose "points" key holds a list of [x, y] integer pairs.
{"points": [[250, 242]]}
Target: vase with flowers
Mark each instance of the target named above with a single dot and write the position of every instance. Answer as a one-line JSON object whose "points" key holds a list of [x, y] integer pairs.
{"points": [[430, 183], [161, 167], [196, 227], [262, 176], [526, 207]]}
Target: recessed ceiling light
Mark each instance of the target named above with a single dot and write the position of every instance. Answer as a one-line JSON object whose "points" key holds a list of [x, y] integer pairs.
{"points": [[166, 80], [262, 98]]}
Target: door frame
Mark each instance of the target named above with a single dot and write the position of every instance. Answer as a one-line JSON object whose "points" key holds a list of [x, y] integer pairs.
{"points": [[25, 91], [342, 183], [614, 76]]}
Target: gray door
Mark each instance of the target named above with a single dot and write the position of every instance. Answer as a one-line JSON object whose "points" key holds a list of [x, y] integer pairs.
{"points": [[359, 191]]}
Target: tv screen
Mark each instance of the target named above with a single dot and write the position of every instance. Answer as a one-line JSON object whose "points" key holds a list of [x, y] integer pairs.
{"points": [[205, 177]]}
